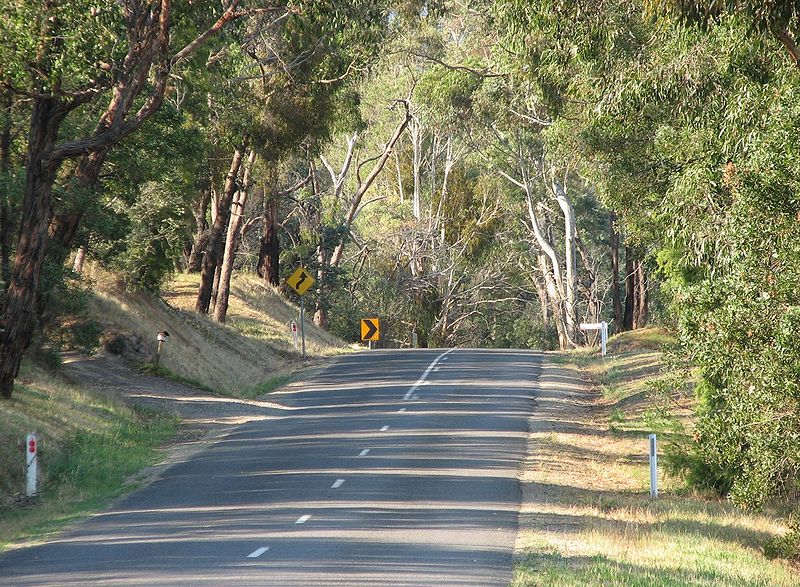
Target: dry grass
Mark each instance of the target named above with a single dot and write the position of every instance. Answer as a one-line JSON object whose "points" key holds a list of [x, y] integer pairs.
{"points": [[587, 518], [89, 446], [254, 347]]}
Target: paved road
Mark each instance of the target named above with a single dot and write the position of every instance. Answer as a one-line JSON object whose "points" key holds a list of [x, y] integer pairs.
{"points": [[390, 468]]}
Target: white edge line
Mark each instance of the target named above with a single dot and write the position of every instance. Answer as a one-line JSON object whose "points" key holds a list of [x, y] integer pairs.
{"points": [[257, 553], [424, 376]]}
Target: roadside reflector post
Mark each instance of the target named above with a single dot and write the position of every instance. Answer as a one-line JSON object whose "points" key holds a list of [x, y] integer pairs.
{"points": [[653, 467], [31, 462], [294, 334], [603, 328], [161, 337], [414, 340], [303, 324]]}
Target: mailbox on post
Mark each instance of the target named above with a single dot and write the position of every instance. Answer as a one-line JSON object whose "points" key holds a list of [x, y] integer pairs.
{"points": [[603, 328]]}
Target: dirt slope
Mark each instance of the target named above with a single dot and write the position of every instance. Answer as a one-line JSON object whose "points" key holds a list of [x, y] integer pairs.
{"points": [[254, 347]]}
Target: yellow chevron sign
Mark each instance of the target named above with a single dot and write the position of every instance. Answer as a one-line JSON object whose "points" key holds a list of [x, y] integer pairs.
{"points": [[370, 329]]}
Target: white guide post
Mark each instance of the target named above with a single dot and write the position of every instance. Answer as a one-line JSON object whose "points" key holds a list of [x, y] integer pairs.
{"points": [[31, 461], [653, 467], [294, 334], [303, 325], [603, 328]]}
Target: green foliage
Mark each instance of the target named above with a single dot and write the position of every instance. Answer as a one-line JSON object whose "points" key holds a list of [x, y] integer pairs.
{"points": [[80, 36], [788, 545]]}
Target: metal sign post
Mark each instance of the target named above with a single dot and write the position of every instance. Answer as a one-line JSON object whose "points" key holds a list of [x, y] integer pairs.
{"points": [[300, 281], [161, 337]]}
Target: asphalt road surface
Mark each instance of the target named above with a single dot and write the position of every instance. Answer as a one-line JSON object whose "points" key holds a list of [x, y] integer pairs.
{"points": [[389, 468]]}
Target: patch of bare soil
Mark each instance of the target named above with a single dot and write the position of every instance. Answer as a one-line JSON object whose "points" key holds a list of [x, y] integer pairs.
{"points": [[203, 415]]}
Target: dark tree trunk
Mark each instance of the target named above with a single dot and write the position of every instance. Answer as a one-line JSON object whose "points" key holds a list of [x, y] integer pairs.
{"points": [[270, 250], [6, 230], [636, 298], [65, 224], [616, 293], [216, 236], [630, 289], [193, 263], [20, 304]]}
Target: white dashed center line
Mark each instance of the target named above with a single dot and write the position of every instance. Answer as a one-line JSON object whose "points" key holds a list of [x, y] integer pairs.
{"points": [[443, 357], [303, 519], [337, 484], [384, 428], [259, 552], [364, 452]]}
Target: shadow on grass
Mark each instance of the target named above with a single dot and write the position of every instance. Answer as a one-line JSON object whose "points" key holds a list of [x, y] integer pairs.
{"points": [[543, 569]]}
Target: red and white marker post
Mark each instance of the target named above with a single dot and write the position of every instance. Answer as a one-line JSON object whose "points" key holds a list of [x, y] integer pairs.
{"points": [[31, 462], [294, 333]]}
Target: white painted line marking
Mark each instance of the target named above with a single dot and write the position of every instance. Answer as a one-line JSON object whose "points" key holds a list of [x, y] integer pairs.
{"points": [[384, 428], [303, 519], [259, 552], [337, 484], [402, 410], [364, 452], [415, 396], [424, 376]]}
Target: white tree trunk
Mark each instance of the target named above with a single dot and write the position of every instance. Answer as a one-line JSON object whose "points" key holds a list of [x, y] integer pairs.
{"points": [[231, 242], [355, 200], [416, 143], [570, 257]]}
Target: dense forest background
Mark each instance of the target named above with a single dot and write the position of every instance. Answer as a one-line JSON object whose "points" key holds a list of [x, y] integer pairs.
{"points": [[477, 173]]}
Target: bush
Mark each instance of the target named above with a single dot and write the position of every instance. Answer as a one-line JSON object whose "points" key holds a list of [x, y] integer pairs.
{"points": [[788, 545]]}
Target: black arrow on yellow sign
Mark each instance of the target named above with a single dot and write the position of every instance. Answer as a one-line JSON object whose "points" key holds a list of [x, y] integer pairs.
{"points": [[370, 329]]}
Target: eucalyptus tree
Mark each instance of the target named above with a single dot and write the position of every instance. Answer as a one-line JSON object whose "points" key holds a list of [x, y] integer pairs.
{"points": [[780, 19], [689, 133], [303, 72], [63, 56]]}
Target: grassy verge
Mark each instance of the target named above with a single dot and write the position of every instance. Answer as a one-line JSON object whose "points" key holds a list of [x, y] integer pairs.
{"points": [[89, 447], [587, 518]]}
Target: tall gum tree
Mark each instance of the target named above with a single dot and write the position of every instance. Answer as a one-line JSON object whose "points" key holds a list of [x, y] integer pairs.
{"points": [[62, 56]]}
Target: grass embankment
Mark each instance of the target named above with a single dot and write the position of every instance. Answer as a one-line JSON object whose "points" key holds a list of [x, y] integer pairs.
{"points": [[587, 519], [91, 444], [89, 447], [247, 357]]}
